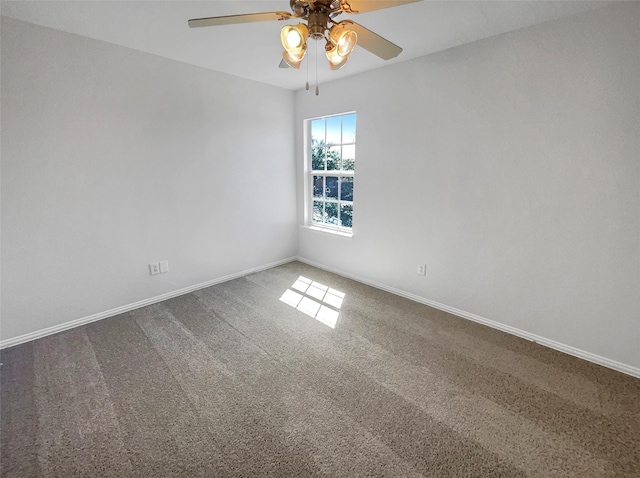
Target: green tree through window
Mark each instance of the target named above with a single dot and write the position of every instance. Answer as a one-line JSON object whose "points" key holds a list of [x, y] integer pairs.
{"points": [[332, 148]]}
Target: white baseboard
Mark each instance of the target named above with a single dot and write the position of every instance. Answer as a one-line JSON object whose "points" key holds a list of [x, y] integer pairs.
{"points": [[136, 305], [597, 359]]}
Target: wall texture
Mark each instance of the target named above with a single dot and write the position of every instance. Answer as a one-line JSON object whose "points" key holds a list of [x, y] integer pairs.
{"points": [[511, 167], [113, 158]]}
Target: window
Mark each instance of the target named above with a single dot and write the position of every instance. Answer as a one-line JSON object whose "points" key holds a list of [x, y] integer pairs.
{"points": [[331, 152]]}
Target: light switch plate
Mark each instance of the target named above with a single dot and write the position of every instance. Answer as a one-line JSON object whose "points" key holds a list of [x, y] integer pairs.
{"points": [[164, 266]]}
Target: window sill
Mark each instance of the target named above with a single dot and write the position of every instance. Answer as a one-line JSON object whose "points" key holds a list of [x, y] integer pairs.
{"points": [[326, 230]]}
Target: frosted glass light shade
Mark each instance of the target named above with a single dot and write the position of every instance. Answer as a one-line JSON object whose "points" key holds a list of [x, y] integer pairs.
{"points": [[294, 39], [335, 61], [292, 60], [344, 39]]}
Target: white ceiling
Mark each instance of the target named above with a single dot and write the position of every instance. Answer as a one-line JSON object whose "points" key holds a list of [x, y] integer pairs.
{"points": [[253, 50]]}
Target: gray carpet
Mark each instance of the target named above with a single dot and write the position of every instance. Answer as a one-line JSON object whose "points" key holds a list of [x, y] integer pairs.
{"points": [[233, 381]]}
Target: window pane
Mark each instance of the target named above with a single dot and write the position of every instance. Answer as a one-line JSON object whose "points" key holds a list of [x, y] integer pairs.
{"points": [[349, 157], [349, 128], [346, 215], [346, 189], [317, 156], [331, 187], [317, 130], [331, 209], [333, 158], [331, 143], [318, 186], [317, 211], [333, 130]]}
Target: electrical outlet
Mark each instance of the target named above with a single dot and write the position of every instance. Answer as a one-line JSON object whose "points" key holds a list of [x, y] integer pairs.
{"points": [[154, 268], [164, 267], [422, 269]]}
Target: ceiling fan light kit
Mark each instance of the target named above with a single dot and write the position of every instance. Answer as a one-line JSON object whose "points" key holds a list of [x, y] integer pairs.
{"points": [[292, 60], [294, 38], [294, 41], [340, 37], [344, 40], [336, 61], [340, 44]]}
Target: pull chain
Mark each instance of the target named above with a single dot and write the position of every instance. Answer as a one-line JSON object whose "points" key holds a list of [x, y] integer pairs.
{"points": [[317, 89], [306, 86]]}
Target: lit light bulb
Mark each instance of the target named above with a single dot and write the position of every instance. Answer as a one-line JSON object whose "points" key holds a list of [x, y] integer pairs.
{"points": [[346, 43], [342, 42], [293, 39], [335, 61]]}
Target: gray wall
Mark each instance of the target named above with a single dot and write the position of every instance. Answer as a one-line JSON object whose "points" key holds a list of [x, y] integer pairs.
{"points": [[510, 166], [113, 158]]}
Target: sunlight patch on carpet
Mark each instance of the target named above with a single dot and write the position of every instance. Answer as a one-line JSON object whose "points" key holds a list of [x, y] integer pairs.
{"points": [[315, 300]]}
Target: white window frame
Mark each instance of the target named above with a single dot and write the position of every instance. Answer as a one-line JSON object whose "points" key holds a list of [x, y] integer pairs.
{"points": [[310, 173]]}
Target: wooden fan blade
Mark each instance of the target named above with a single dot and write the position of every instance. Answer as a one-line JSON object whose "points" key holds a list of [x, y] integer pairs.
{"points": [[231, 19], [283, 64], [361, 6], [373, 42]]}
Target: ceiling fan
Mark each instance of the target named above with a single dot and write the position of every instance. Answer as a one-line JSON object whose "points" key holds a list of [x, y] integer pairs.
{"points": [[340, 37]]}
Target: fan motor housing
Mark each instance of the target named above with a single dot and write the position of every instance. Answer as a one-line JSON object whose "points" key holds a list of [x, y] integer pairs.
{"points": [[298, 8], [317, 24], [301, 8]]}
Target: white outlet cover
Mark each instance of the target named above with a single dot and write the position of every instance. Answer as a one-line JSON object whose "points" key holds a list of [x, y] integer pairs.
{"points": [[154, 268], [422, 269]]}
